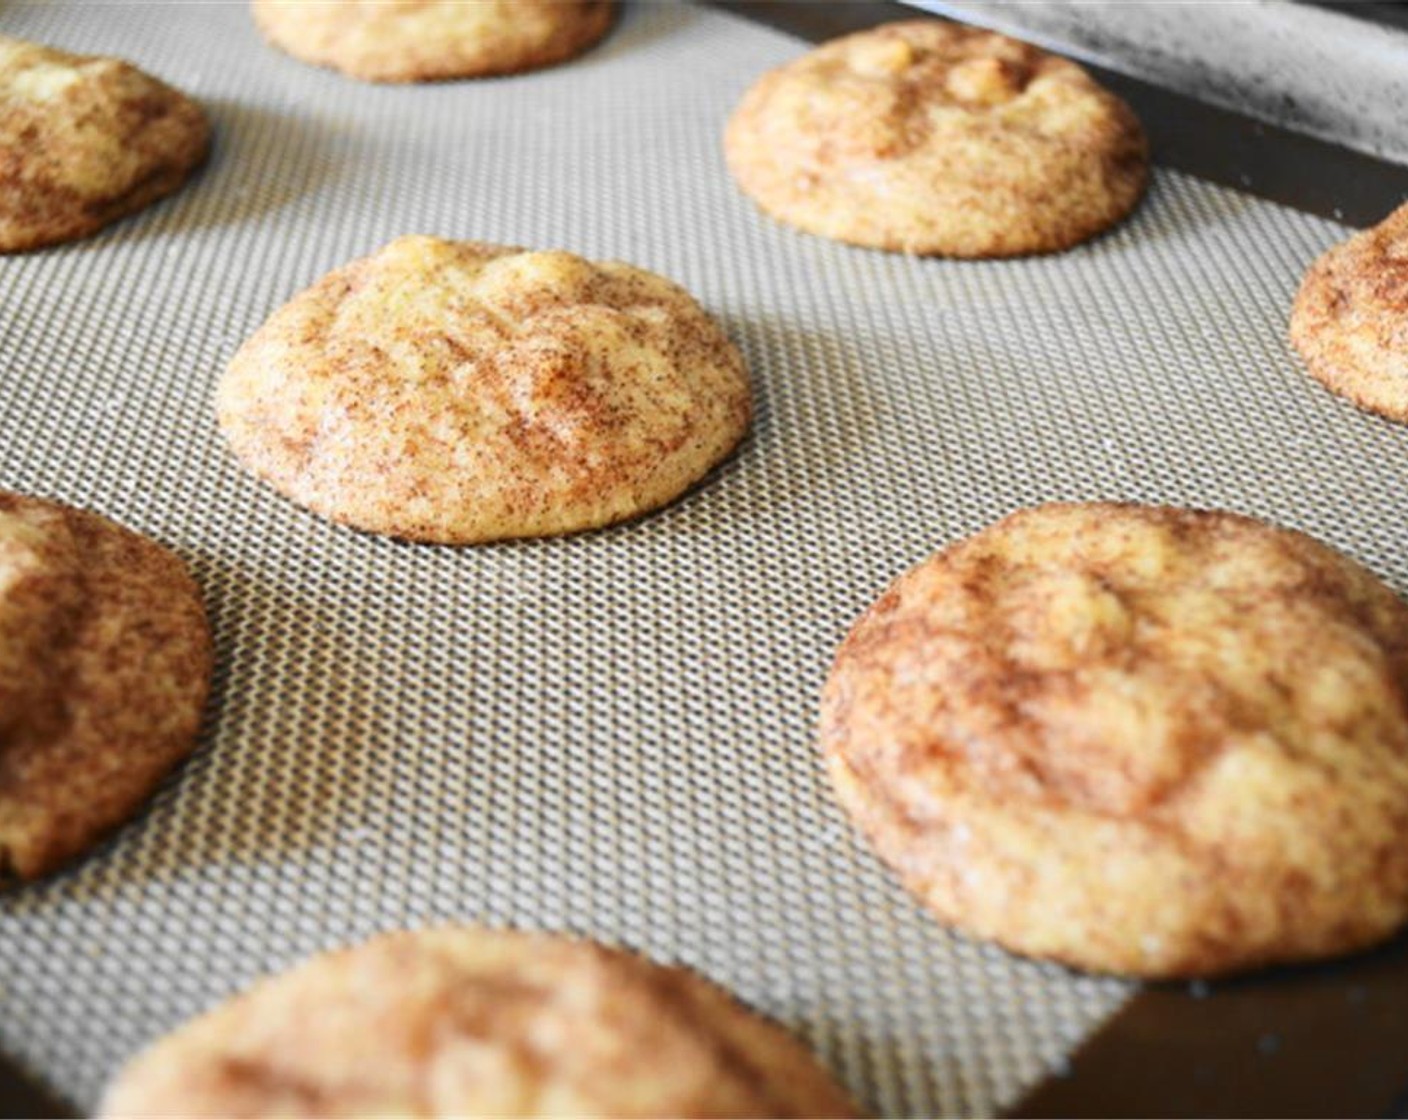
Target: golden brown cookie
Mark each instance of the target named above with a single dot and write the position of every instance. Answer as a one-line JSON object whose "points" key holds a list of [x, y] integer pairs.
{"points": [[1138, 740], [85, 141], [457, 392], [932, 138], [470, 1022], [105, 662], [432, 40], [1350, 320]]}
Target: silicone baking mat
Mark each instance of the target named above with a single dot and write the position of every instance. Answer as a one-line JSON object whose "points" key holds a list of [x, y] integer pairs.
{"points": [[610, 733]]}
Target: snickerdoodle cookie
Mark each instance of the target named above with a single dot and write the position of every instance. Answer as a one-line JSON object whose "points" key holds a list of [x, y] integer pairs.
{"points": [[85, 141], [931, 138], [1138, 740], [1350, 320], [458, 392], [471, 1022], [105, 661], [432, 40]]}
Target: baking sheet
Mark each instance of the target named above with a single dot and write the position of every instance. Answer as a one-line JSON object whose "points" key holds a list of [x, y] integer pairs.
{"points": [[610, 733]]}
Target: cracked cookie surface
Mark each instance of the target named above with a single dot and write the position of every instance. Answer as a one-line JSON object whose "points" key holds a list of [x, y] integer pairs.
{"points": [[461, 392], [105, 663], [1135, 739], [1350, 319], [85, 141], [472, 1022], [432, 40], [931, 138]]}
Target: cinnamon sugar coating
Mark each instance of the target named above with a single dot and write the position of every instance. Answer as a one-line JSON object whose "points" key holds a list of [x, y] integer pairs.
{"points": [[85, 141], [432, 40], [461, 392], [1350, 319], [469, 1022], [105, 663], [1134, 739], [932, 138]]}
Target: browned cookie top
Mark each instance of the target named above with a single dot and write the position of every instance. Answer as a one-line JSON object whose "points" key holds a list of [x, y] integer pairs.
{"points": [[1350, 320], [928, 137], [1140, 740], [84, 141], [430, 40], [458, 392], [469, 1022], [105, 663]]}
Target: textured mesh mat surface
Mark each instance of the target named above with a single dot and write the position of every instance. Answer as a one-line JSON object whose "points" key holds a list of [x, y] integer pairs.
{"points": [[610, 733]]}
